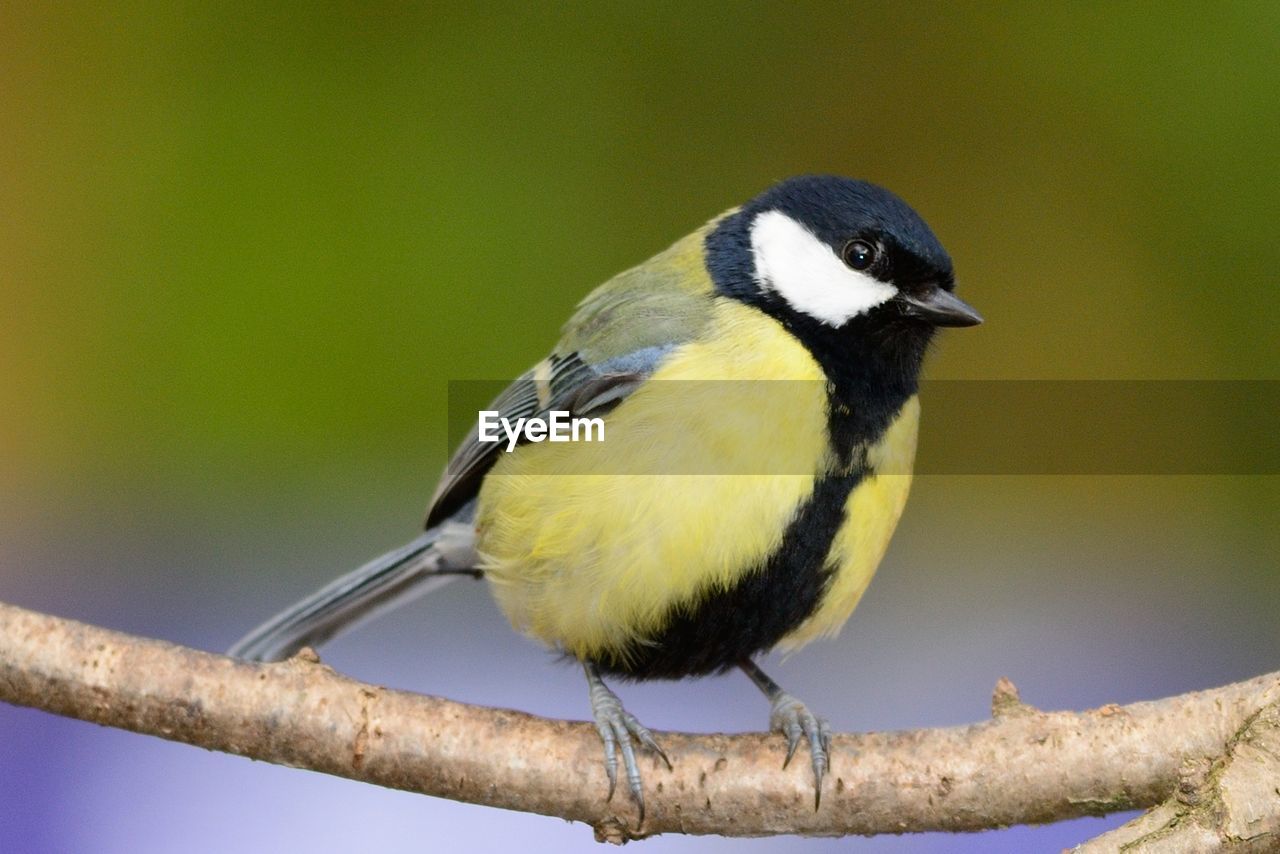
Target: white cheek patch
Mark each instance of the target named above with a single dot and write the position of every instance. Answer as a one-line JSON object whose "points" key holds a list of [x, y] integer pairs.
{"points": [[805, 272]]}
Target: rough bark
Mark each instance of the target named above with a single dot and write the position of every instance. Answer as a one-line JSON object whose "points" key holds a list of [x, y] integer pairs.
{"points": [[1231, 805], [1023, 765]]}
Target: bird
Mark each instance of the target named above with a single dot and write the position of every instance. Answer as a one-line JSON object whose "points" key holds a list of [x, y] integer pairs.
{"points": [[757, 385]]}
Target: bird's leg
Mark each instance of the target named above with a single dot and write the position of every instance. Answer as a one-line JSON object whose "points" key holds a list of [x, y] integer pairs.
{"points": [[617, 726], [793, 719], [471, 572]]}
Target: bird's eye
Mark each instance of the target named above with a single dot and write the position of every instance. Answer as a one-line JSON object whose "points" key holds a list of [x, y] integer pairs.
{"points": [[859, 254]]}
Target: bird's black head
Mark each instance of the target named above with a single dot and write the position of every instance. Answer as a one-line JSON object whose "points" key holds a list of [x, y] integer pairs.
{"points": [[835, 249], [848, 267]]}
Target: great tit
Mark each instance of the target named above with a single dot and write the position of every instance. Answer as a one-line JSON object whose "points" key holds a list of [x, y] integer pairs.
{"points": [[650, 567]]}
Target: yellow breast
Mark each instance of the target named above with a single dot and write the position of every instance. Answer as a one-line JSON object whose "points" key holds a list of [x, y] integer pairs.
{"points": [[589, 547]]}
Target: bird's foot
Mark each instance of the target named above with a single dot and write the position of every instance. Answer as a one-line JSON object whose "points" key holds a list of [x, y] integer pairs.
{"points": [[793, 719], [617, 727]]}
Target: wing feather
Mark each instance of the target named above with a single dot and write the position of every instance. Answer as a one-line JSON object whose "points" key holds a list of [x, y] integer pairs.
{"points": [[616, 339]]}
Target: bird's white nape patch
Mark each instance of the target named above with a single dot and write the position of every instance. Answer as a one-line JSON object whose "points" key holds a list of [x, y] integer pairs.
{"points": [[808, 274]]}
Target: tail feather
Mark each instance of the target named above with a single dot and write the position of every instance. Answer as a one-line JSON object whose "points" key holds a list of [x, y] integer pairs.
{"points": [[415, 569]]}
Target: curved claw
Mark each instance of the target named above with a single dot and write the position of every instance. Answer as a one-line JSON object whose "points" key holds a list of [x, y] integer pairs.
{"points": [[610, 755], [617, 728], [642, 734], [793, 719]]}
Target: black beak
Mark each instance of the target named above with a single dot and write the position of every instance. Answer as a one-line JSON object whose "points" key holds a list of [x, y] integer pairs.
{"points": [[939, 307]]}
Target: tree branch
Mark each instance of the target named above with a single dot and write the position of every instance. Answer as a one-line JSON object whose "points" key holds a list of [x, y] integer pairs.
{"points": [[1022, 766], [1231, 805]]}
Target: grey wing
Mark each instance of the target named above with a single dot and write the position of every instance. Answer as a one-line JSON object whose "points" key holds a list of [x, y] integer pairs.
{"points": [[564, 383], [445, 550]]}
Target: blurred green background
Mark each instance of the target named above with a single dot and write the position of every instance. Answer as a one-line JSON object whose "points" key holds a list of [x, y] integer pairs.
{"points": [[244, 249]]}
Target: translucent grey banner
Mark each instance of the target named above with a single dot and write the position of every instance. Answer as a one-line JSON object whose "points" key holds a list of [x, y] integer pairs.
{"points": [[1067, 427]]}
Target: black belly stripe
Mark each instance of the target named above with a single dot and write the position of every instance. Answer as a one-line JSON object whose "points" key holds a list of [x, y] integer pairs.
{"points": [[712, 634]]}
